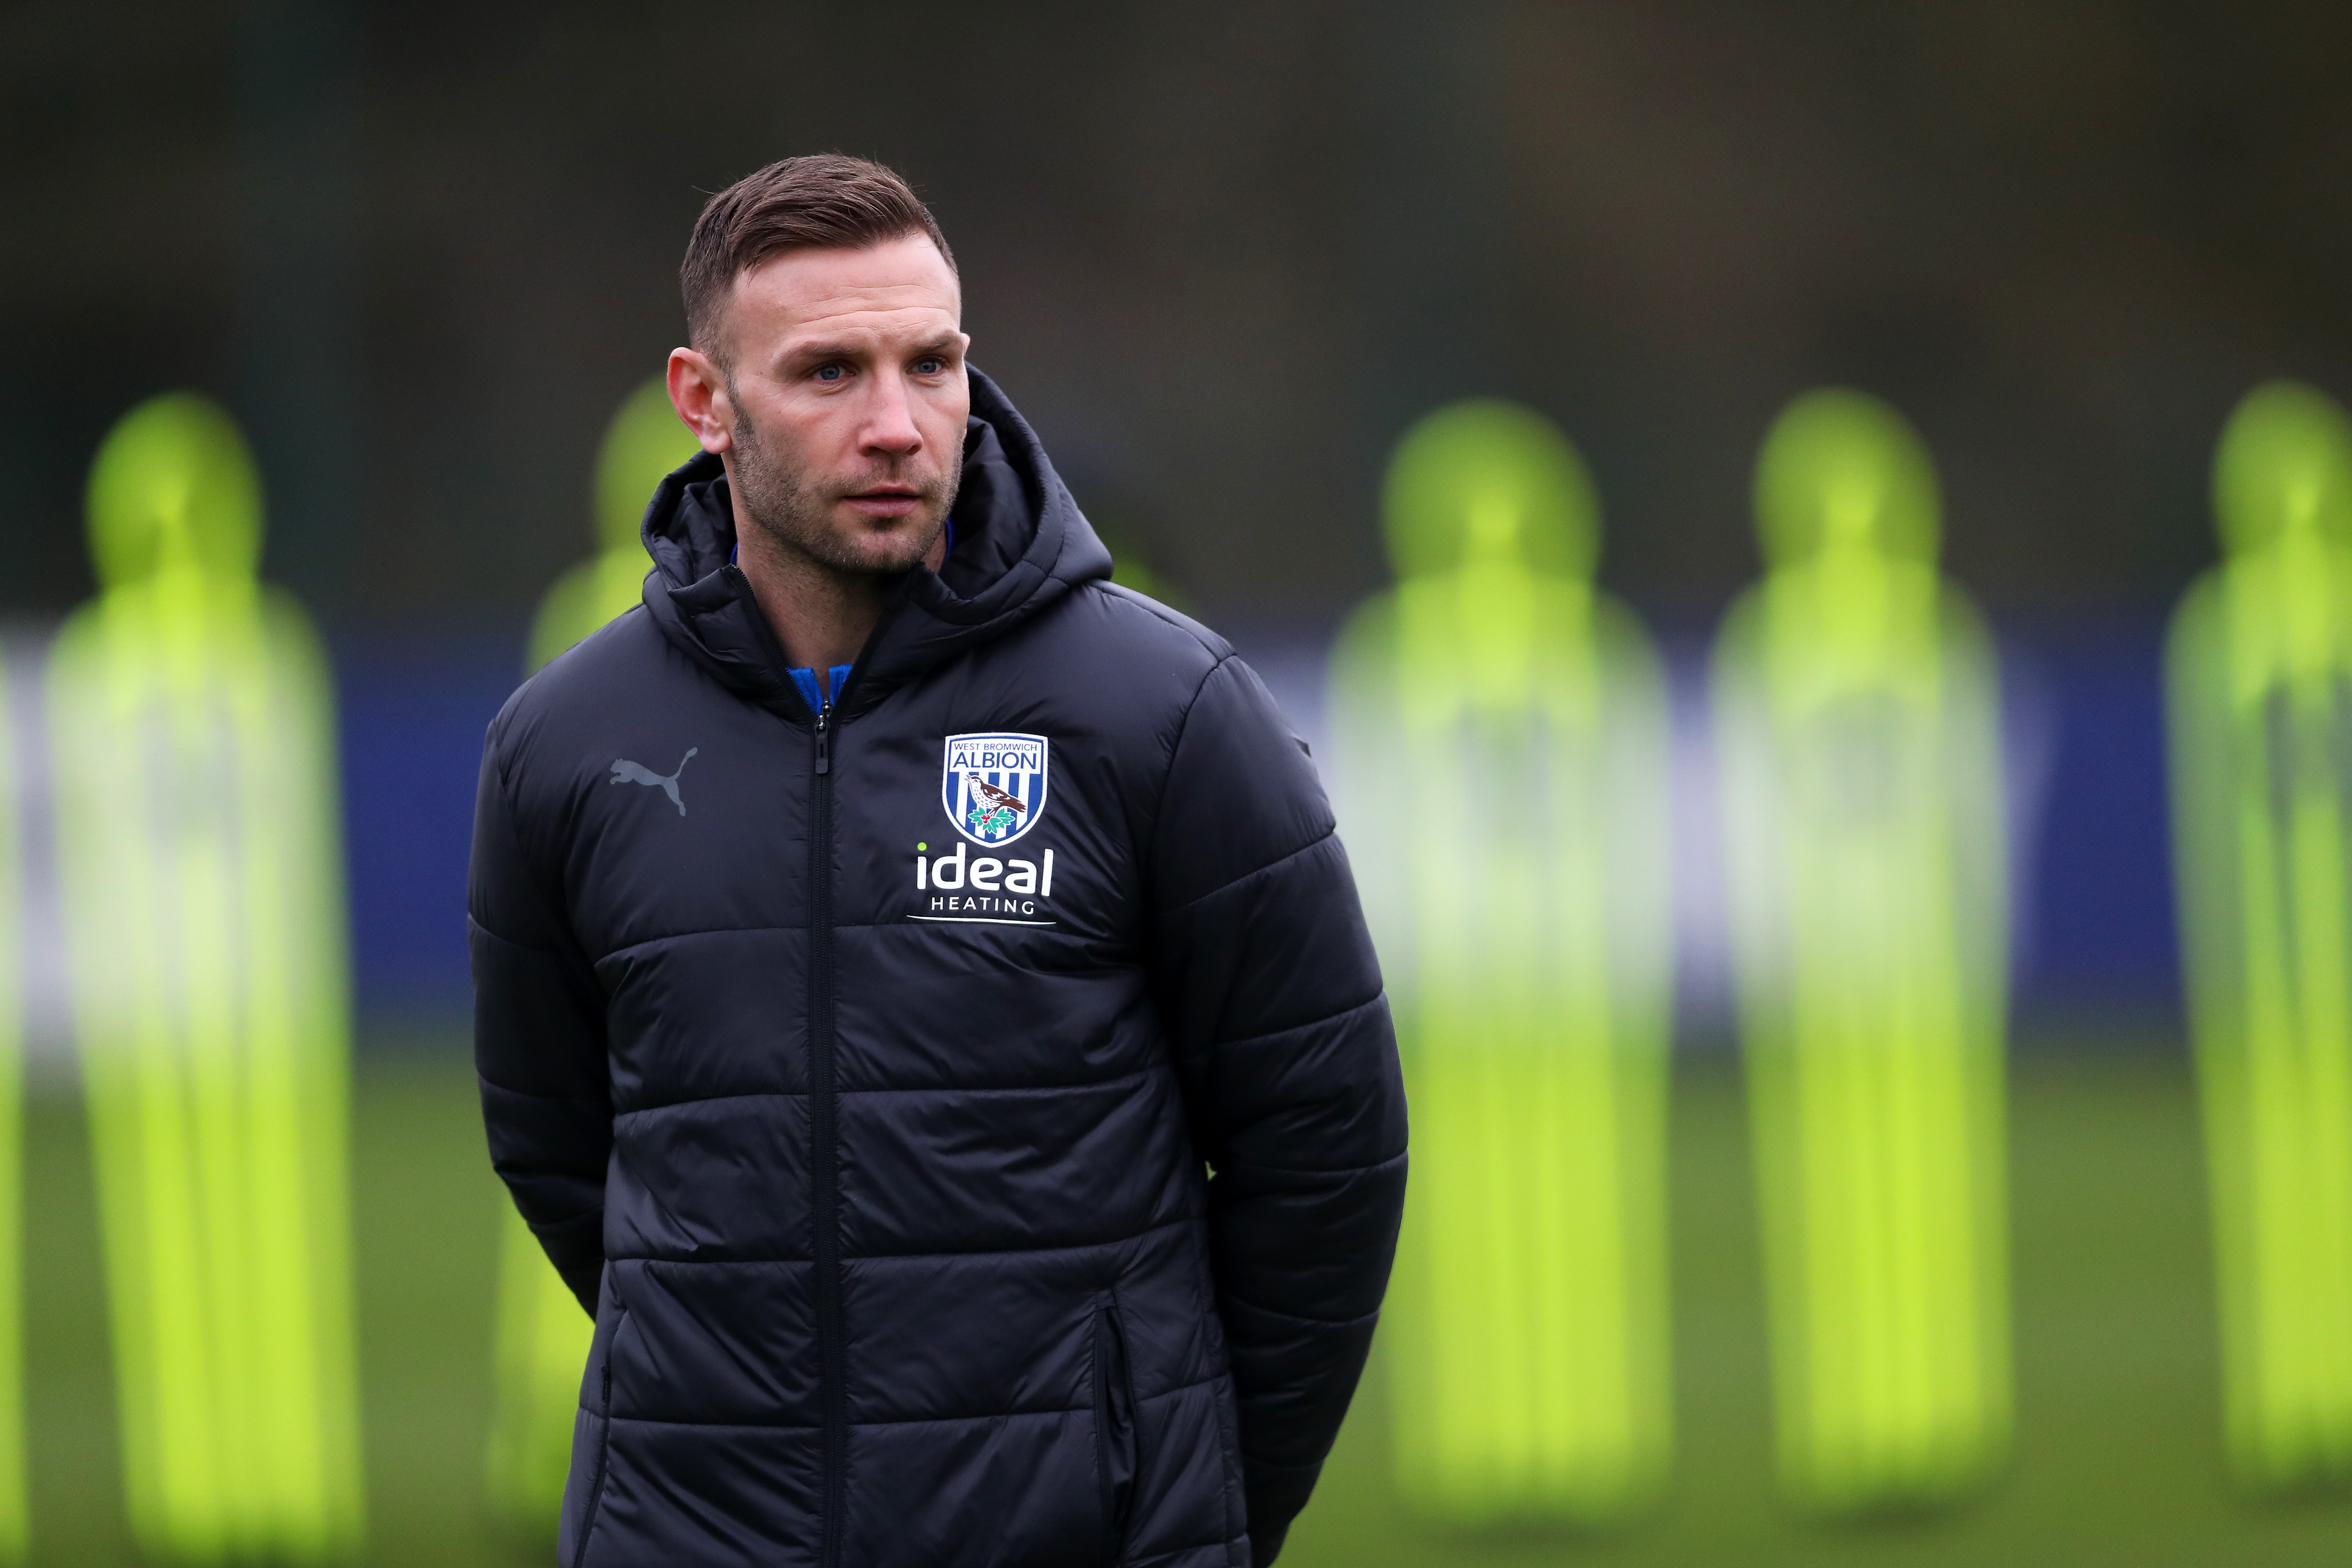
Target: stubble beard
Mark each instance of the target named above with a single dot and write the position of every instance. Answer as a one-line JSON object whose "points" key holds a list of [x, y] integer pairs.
{"points": [[796, 517]]}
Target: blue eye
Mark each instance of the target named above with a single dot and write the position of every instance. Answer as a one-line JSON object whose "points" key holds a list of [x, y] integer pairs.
{"points": [[831, 372], [930, 366]]}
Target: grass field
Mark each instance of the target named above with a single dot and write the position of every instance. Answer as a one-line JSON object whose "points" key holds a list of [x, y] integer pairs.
{"points": [[2117, 1462]]}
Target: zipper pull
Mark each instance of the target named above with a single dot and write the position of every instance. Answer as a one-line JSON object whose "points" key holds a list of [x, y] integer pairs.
{"points": [[825, 739]]}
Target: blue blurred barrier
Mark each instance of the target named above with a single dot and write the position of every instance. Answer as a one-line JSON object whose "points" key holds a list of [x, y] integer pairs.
{"points": [[2084, 713], [2095, 929], [413, 717], [2102, 933]]}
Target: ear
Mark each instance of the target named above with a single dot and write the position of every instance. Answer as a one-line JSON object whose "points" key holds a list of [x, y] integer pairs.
{"points": [[697, 390]]}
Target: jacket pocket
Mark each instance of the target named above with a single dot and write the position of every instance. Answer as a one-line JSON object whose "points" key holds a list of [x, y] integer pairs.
{"points": [[1115, 1435], [604, 1435]]}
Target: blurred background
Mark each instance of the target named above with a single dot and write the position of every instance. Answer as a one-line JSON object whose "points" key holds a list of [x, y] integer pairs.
{"points": [[1221, 256]]}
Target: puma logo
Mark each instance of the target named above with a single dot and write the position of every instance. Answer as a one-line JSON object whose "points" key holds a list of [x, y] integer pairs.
{"points": [[628, 772]]}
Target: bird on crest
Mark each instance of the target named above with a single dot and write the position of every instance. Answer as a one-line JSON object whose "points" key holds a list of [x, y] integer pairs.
{"points": [[996, 797]]}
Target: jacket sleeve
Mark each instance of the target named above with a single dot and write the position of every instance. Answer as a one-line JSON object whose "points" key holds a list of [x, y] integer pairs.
{"points": [[539, 1042], [1272, 997]]}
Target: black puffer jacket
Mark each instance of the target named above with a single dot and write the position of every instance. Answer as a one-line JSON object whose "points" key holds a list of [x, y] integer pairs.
{"points": [[875, 1136]]}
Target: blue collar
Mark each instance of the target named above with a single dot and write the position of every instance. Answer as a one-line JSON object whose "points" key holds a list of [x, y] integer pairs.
{"points": [[806, 681]]}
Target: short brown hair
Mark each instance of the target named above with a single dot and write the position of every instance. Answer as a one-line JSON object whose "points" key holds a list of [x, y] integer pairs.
{"points": [[825, 201]]}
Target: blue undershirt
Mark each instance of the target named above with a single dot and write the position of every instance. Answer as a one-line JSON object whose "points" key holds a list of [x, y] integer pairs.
{"points": [[806, 681]]}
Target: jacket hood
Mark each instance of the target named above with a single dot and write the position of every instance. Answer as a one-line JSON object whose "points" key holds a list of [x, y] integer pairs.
{"points": [[1020, 545]]}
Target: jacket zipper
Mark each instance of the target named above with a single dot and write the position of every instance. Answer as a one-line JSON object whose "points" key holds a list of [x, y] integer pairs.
{"points": [[824, 1131]]}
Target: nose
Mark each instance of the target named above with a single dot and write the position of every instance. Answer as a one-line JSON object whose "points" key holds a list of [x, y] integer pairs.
{"points": [[890, 431]]}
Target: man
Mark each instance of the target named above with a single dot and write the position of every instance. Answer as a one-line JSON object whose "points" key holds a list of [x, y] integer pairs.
{"points": [[874, 936]]}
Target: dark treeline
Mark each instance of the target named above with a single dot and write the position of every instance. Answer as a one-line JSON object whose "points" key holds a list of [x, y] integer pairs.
{"points": [[1218, 253]]}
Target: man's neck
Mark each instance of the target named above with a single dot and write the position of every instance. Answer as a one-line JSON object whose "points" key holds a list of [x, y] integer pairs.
{"points": [[821, 615]]}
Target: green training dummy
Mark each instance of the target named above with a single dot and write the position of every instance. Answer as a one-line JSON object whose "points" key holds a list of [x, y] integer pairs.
{"points": [[200, 852], [14, 1518], [542, 1335], [1500, 750], [645, 441], [2261, 682], [1858, 734]]}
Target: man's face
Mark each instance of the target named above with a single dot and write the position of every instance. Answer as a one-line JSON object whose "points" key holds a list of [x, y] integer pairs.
{"points": [[841, 403]]}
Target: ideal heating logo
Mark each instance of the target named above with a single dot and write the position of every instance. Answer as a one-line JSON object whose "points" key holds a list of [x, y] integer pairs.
{"points": [[964, 889]]}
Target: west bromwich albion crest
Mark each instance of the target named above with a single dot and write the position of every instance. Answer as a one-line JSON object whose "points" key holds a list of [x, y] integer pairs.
{"points": [[995, 785]]}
